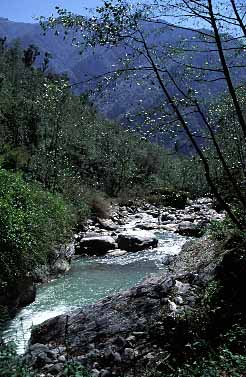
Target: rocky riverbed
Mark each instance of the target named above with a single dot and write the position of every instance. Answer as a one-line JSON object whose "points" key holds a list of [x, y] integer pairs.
{"points": [[127, 228], [122, 332], [126, 334], [132, 228]]}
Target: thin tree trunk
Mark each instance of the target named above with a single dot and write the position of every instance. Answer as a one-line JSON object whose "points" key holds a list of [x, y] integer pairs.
{"points": [[239, 19], [226, 69], [192, 139]]}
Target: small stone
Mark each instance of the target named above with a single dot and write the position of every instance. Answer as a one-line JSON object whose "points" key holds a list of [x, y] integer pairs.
{"points": [[129, 353], [95, 373], [56, 368], [117, 357], [82, 360], [116, 253], [131, 339], [138, 333], [95, 365], [178, 300], [62, 359], [149, 356], [105, 373]]}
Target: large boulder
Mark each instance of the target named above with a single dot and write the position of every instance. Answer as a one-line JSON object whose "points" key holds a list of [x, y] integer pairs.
{"points": [[17, 295], [189, 229], [95, 245], [136, 241]]}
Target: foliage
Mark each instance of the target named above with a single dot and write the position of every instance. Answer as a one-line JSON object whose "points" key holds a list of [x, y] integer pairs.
{"points": [[73, 369], [222, 229], [58, 139], [12, 365], [220, 362], [177, 73], [167, 197], [32, 222]]}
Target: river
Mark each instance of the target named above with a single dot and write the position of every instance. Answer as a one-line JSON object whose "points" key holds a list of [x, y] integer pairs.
{"points": [[89, 280]]}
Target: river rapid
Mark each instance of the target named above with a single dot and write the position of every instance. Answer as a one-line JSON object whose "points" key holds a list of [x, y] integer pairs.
{"points": [[89, 280]]}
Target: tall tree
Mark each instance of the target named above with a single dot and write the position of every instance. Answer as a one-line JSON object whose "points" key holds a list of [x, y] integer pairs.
{"points": [[220, 37]]}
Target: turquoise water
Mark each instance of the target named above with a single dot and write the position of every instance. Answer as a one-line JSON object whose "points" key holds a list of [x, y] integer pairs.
{"points": [[89, 280]]}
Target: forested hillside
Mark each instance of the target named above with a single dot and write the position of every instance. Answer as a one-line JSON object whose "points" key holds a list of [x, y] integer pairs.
{"points": [[57, 156], [122, 98], [122, 140]]}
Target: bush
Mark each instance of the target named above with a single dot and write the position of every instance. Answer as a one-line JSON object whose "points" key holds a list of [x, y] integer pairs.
{"points": [[32, 222], [221, 229], [73, 369], [168, 197], [11, 365]]}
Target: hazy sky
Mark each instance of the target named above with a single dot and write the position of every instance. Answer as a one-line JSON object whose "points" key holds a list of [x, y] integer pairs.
{"points": [[25, 10]]}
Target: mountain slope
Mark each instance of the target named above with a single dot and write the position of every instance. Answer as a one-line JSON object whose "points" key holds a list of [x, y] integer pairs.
{"points": [[121, 96]]}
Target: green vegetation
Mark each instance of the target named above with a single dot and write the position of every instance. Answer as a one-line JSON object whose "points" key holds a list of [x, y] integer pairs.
{"points": [[58, 139], [11, 365], [216, 137], [60, 161], [32, 222]]}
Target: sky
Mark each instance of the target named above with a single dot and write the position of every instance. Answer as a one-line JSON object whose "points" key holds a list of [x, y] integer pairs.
{"points": [[25, 10]]}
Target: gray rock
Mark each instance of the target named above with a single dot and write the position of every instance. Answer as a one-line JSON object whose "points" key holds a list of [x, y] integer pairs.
{"points": [[136, 242], [55, 368], [147, 226], [117, 357], [60, 266], [166, 216], [116, 253], [107, 224], [129, 353], [95, 245], [187, 228], [105, 373], [95, 373], [62, 359]]}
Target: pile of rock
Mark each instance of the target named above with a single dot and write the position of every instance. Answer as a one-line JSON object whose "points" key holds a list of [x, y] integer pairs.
{"points": [[132, 228]]}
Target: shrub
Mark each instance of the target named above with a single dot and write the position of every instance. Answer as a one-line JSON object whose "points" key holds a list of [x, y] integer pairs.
{"points": [[32, 222], [73, 369], [11, 365], [221, 229], [168, 197]]}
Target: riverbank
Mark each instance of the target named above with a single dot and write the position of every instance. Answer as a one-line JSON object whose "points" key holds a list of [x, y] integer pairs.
{"points": [[127, 228], [129, 333]]}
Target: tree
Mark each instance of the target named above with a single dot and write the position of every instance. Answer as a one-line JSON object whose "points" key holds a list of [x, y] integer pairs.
{"points": [[220, 37]]}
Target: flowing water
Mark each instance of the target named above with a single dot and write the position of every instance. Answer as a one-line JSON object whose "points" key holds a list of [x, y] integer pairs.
{"points": [[89, 280]]}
